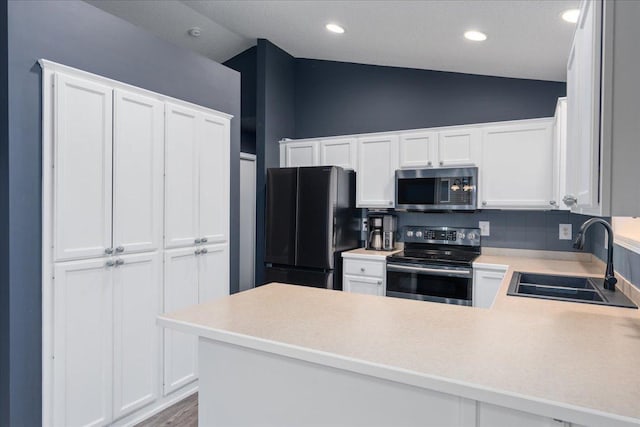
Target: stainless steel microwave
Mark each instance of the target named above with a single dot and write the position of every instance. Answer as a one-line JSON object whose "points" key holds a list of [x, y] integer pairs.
{"points": [[441, 189]]}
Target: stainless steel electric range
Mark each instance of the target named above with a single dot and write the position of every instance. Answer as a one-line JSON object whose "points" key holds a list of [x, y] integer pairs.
{"points": [[436, 265]]}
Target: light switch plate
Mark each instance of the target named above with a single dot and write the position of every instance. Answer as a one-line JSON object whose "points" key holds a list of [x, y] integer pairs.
{"points": [[564, 232], [485, 228]]}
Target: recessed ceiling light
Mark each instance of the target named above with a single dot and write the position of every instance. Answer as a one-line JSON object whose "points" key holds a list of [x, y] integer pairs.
{"points": [[476, 36], [571, 15], [335, 28]]}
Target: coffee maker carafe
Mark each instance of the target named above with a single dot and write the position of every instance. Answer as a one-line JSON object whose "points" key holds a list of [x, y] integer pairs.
{"points": [[374, 242]]}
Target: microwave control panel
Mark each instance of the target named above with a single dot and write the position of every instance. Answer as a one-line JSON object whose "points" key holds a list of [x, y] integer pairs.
{"points": [[442, 235]]}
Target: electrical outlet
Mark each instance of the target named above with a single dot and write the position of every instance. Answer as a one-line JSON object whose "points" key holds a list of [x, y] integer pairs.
{"points": [[564, 232], [485, 228], [606, 241], [365, 225]]}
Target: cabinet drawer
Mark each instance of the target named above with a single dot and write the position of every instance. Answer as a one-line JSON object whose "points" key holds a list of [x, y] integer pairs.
{"points": [[364, 268]]}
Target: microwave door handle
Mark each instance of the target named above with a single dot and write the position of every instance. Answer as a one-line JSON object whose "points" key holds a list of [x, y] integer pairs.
{"points": [[427, 270]]}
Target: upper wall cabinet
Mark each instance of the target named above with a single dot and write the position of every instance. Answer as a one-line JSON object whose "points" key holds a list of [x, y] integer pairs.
{"points": [[459, 147], [196, 182], [417, 149], [377, 163], [560, 153], [82, 168], [583, 120], [339, 152], [517, 166], [108, 170], [603, 98], [298, 154]]}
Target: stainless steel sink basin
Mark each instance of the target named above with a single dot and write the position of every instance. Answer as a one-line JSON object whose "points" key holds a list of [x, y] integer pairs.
{"points": [[566, 288]]}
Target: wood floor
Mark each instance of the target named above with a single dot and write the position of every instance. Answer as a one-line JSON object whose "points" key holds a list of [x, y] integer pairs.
{"points": [[183, 414]]}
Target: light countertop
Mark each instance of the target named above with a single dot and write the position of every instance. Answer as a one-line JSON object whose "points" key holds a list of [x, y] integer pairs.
{"points": [[362, 253], [562, 356]]}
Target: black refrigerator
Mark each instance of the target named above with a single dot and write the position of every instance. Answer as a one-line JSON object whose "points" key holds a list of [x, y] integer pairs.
{"points": [[311, 219]]}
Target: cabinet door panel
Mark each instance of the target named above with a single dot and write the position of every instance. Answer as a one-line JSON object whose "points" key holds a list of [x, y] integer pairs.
{"points": [[364, 285], [82, 365], [458, 147], [517, 166], [180, 291], [417, 149], [339, 152], [301, 154], [137, 297], [486, 284], [213, 272], [214, 179], [181, 176], [138, 168], [377, 161], [83, 147]]}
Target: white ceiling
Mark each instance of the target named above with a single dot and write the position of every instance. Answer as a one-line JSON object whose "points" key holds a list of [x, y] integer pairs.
{"points": [[526, 38]]}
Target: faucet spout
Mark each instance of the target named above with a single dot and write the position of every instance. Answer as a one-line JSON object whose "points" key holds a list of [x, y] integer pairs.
{"points": [[609, 275]]}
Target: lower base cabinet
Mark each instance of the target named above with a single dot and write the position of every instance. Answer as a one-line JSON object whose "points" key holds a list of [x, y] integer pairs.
{"points": [[487, 280], [364, 276], [363, 285], [106, 358], [192, 275]]}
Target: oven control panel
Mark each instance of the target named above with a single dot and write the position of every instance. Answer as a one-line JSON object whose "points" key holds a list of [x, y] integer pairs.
{"points": [[441, 235]]}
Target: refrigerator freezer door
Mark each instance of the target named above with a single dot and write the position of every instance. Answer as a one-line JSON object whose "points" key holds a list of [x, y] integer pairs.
{"points": [[316, 279], [317, 197], [282, 190]]}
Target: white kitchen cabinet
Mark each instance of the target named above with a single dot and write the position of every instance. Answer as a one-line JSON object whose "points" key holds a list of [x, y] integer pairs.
{"points": [[182, 181], [459, 147], [137, 286], [364, 275], [196, 178], [138, 165], [487, 280], [560, 153], [377, 163], [104, 209], [214, 180], [298, 154], [417, 149], [83, 168], [83, 342], [192, 276], [180, 291], [517, 166], [583, 111], [339, 152], [107, 344], [213, 272], [363, 285]]}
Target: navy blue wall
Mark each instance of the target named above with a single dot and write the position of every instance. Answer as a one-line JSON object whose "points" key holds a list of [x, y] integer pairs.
{"points": [[509, 229], [337, 98], [4, 222], [275, 119], [79, 35], [247, 64]]}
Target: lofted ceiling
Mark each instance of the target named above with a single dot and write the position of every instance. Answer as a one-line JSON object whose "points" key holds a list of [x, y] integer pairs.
{"points": [[526, 38]]}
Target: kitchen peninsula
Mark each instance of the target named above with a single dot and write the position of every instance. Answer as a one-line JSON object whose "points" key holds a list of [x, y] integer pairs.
{"points": [[293, 355]]}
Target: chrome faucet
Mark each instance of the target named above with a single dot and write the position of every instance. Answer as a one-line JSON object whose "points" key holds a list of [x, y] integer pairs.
{"points": [[609, 278]]}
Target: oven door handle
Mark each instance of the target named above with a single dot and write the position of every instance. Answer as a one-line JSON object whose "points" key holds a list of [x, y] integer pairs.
{"points": [[437, 271]]}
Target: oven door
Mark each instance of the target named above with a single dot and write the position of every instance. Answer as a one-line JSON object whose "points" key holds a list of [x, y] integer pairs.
{"points": [[450, 285]]}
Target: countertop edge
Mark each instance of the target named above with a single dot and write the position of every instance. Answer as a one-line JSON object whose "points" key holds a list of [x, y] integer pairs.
{"points": [[530, 404]]}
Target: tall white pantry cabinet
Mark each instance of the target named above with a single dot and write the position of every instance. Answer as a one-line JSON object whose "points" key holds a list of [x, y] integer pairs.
{"points": [[135, 223]]}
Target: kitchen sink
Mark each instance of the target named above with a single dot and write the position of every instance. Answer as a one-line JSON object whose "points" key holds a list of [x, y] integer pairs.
{"points": [[566, 288]]}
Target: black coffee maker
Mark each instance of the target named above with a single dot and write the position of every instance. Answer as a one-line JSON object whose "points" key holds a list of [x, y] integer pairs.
{"points": [[382, 232]]}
